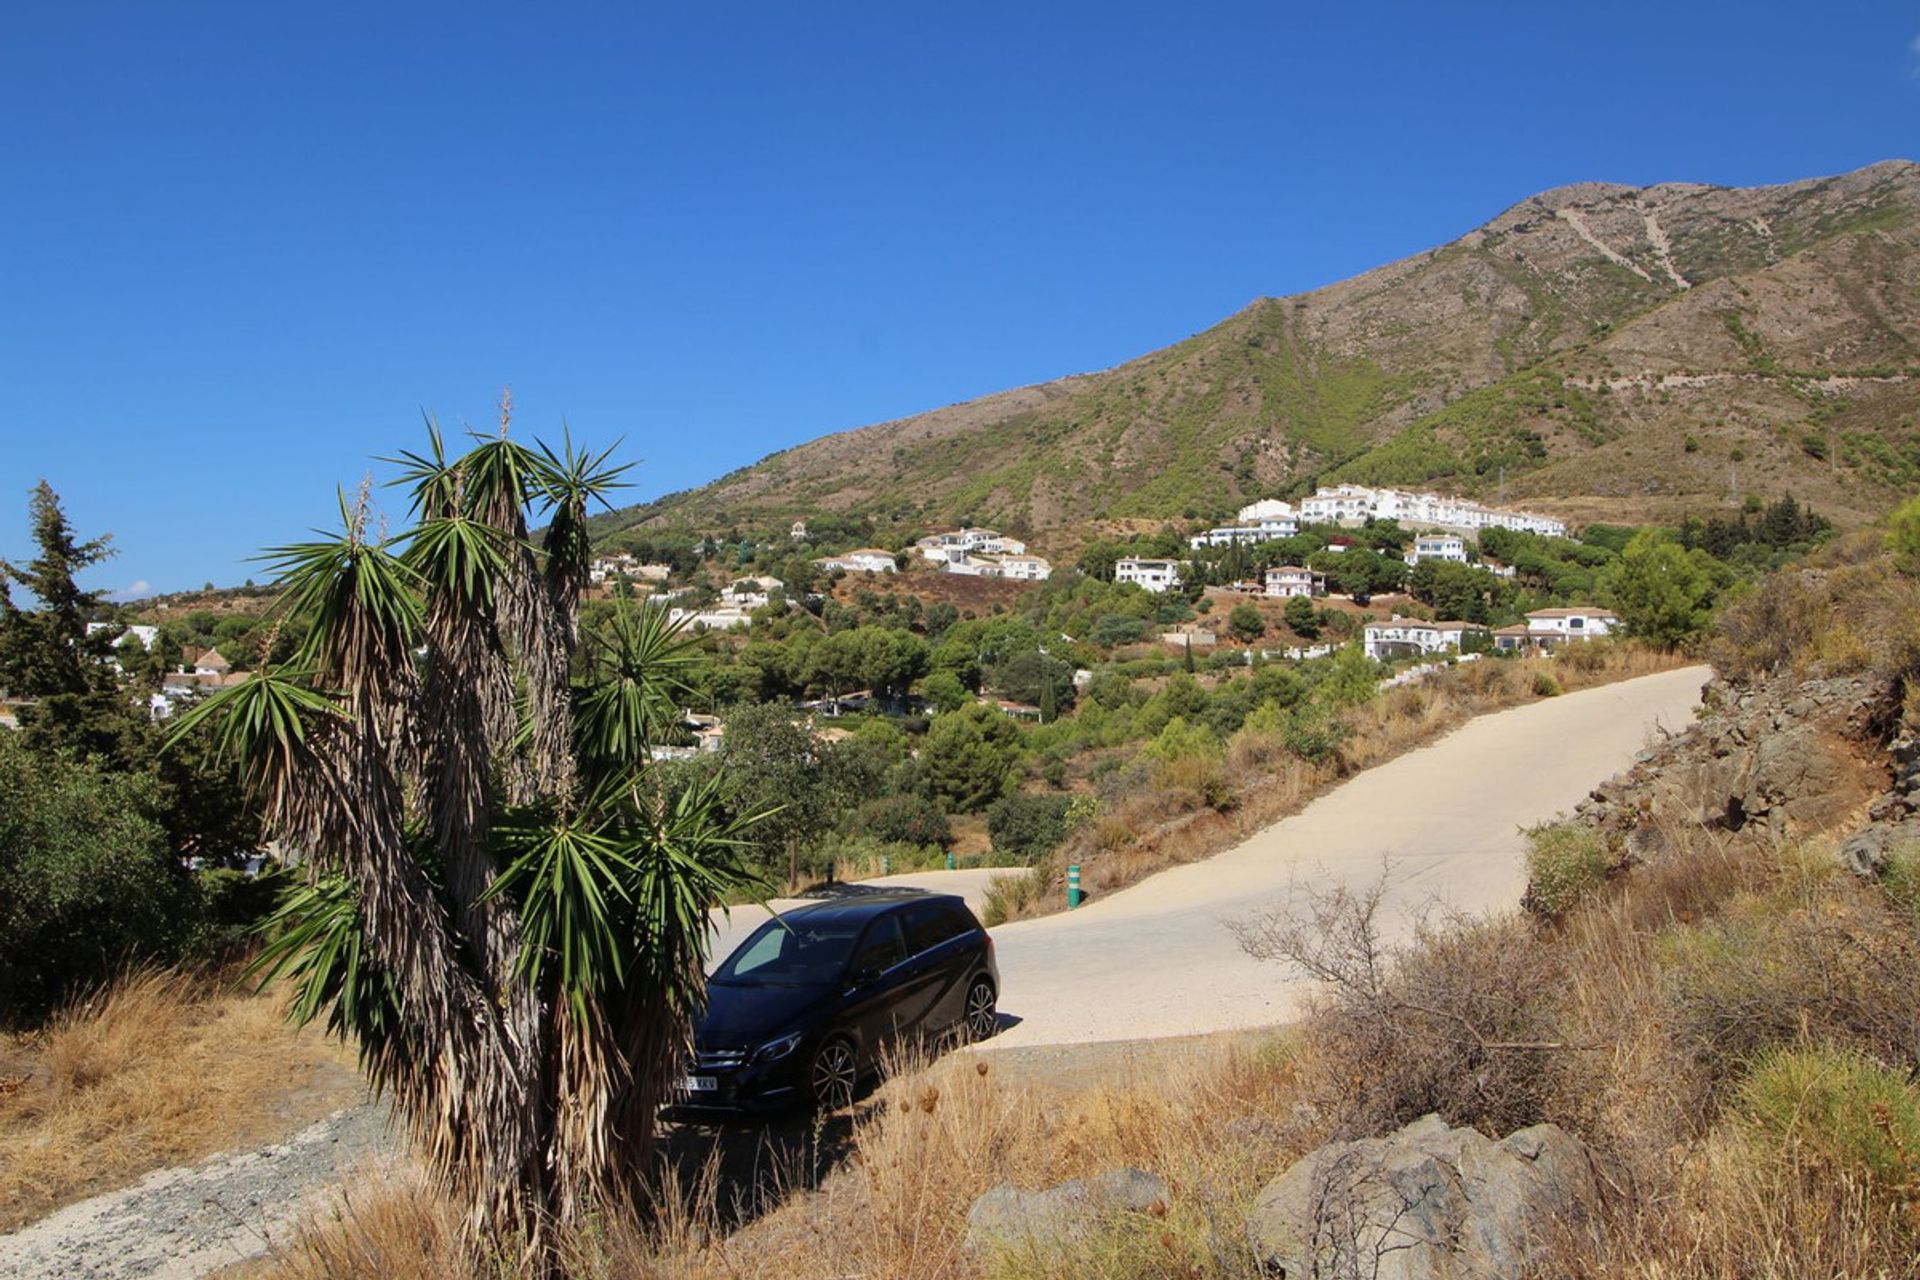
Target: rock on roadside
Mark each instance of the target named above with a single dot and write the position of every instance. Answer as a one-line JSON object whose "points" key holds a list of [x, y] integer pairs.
{"points": [[1008, 1218], [1428, 1202]]}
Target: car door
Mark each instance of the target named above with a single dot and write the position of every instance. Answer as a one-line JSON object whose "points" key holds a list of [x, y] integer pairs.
{"points": [[873, 981], [939, 964]]}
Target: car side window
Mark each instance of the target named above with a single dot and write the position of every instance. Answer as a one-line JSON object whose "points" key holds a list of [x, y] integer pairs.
{"points": [[881, 949], [932, 923], [927, 926]]}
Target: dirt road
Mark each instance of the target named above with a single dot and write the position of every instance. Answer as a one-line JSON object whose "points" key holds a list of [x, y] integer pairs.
{"points": [[1444, 822]]}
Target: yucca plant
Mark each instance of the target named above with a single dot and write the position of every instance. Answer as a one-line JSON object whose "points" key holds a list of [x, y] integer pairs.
{"points": [[507, 922]]}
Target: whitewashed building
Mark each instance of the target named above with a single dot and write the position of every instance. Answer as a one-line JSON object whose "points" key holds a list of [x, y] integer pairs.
{"points": [[1549, 627], [1355, 504], [956, 544], [1155, 575], [144, 634], [1026, 568], [1401, 637], [1260, 531], [860, 560], [607, 568], [1292, 580], [1438, 546]]}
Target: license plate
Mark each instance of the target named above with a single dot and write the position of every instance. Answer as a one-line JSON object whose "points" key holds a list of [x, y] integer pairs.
{"points": [[699, 1084]]}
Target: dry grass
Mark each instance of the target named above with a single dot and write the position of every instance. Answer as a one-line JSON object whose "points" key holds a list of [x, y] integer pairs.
{"points": [[160, 1069], [1161, 820], [934, 1138]]}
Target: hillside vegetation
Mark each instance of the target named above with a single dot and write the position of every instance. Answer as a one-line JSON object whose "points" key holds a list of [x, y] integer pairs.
{"points": [[1605, 351]]}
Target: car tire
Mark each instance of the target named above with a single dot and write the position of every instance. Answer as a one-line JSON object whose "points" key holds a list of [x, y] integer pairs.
{"points": [[982, 1016], [834, 1074]]}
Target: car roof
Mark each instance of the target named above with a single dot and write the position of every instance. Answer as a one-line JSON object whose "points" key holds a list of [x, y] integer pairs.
{"points": [[864, 906]]}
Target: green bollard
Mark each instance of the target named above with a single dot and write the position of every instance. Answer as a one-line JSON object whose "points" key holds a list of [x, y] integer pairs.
{"points": [[886, 865], [1073, 886], [949, 862]]}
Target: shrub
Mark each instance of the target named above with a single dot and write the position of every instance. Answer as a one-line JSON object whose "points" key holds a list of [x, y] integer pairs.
{"points": [[1901, 878], [1903, 536], [1009, 897], [905, 819], [1839, 1104], [232, 906], [1027, 826], [1245, 622], [1545, 686], [1454, 1024], [87, 880], [1565, 863]]}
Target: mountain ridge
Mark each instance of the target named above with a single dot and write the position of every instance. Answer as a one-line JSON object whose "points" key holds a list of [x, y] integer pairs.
{"points": [[1582, 350]]}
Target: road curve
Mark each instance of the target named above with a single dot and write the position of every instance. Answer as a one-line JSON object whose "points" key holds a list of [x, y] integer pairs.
{"points": [[1445, 821]]}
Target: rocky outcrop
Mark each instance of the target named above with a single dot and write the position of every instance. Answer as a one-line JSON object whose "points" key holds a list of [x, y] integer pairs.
{"points": [[1428, 1202], [1782, 758], [1041, 1221]]}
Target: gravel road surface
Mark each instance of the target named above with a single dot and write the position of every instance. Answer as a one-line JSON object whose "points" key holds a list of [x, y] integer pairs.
{"points": [[174, 1224]]}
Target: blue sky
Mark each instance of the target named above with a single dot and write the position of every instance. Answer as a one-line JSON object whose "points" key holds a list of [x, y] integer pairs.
{"points": [[243, 246]]}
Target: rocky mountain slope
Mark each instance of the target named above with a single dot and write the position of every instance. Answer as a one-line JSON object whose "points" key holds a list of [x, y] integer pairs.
{"points": [[1599, 350]]}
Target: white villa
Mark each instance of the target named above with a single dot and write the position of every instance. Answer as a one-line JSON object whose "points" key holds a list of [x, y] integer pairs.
{"points": [[1546, 628], [748, 594], [859, 560], [1155, 575], [1438, 546], [1292, 580], [144, 634], [604, 568], [957, 544], [983, 553], [1025, 568], [1399, 637], [1355, 504]]}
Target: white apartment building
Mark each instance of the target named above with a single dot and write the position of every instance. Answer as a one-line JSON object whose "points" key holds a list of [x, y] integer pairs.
{"points": [[1291, 580], [1355, 504], [1438, 546], [1155, 575], [1261, 531], [1399, 637]]}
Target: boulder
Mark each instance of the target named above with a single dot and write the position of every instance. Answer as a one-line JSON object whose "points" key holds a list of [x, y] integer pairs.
{"points": [[1429, 1202], [1009, 1218], [1865, 853]]}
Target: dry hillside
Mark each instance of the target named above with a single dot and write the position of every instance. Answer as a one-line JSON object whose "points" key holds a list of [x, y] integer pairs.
{"points": [[1606, 349]]}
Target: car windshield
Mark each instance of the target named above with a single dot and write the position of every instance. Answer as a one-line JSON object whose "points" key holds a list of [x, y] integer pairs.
{"points": [[798, 952]]}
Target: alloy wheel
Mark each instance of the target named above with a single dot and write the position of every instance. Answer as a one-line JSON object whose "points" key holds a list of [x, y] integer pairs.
{"points": [[834, 1074], [982, 1020]]}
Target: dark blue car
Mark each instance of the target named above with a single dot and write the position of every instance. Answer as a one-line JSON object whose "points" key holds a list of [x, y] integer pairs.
{"points": [[804, 1009]]}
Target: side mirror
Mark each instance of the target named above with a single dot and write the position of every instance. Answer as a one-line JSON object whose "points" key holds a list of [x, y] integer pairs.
{"points": [[862, 974]]}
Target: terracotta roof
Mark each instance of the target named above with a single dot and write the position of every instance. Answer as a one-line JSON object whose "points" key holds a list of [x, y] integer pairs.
{"points": [[1575, 612], [1517, 629]]}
